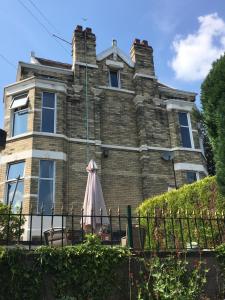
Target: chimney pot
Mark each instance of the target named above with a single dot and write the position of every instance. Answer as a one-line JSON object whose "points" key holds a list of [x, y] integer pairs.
{"points": [[137, 41], [144, 43], [88, 30], [79, 28]]}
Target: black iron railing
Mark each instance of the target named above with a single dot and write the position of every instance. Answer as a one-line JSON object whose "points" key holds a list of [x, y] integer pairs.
{"points": [[159, 231]]}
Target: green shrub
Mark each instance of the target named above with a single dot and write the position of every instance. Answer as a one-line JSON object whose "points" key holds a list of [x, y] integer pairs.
{"points": [[170, 278], [191, 214], [85, 271], [196, 197], [10, 224]]}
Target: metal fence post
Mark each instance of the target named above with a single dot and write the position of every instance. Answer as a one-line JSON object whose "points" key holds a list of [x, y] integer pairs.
{"points": [[129, 227]]}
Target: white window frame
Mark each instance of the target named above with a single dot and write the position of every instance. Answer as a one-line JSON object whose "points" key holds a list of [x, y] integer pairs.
{"points": [[53, 179], [12, 113], [14, 180], [55, 110], [118, 78], [19, 96], [189, 127]]}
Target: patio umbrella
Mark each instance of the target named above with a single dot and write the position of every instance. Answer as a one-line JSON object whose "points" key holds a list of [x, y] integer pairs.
{"points": [[93, 201]]}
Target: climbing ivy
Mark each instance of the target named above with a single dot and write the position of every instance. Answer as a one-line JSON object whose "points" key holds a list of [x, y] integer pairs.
{"points": [[86, 271]]}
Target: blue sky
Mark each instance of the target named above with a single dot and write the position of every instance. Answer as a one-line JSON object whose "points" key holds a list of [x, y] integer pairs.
{"points": [[186, 35]]}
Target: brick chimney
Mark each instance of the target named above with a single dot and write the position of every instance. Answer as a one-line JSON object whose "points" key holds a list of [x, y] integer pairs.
{"points": [[142, 55], [84, 41]]}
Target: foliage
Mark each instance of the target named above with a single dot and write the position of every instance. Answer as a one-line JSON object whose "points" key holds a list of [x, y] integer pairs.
{"points": [[170, 278], [10, 224], [208, 151], [220, 254], [19, 279], [86, 271], [190, 204], [199, 196], [213, 98]]}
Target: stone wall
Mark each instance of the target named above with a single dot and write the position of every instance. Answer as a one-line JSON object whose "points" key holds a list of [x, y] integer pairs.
{"points": [[129, 127]]}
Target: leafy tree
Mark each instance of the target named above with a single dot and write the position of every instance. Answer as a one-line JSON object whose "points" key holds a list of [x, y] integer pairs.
{"points": [[208, 151], [213, 103]]}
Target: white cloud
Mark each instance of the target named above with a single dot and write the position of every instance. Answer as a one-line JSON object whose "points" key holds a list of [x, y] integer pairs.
{"points": [[195, 53]]}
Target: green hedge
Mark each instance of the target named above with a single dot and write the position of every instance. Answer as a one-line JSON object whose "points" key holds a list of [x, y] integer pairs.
{"points": [[196, 197], [191, 215], [86, 271]]}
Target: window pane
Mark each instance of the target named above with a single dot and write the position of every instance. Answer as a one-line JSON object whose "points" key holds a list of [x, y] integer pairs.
{"points": [[20, 122], [15, 170], [183, 119], [191, 177], [48, 120], [18, 198], [185, 137], [49, 100], [45, 196], [46, 168], [114, 78]]}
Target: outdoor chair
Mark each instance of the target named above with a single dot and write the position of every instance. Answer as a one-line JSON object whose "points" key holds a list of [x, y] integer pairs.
{"points": [[56, 237], [139, 235]]}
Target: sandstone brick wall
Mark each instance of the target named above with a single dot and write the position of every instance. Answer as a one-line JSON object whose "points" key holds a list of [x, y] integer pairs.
{"points": [[132, 124]]}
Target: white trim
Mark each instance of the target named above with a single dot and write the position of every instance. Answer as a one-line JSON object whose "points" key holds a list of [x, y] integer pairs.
{"points": [[45, 68], [32, 154], [190, 167], [30, 196], [99, 143], [170, 90], [198, 175], [190, 130], [31, 177], [179, 105], [86, 65], [115, 50], [33, 82], [144, 76], [114, 64], [116, 89]]}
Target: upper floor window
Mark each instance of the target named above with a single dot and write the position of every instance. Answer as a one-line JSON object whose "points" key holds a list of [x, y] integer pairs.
{"points": [[19, 107], [185, 130], [48, 117], [15, 185], [46, 186], [114, 78]]}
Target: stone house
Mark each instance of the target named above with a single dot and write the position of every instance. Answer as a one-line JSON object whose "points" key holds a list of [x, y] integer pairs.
{"points": [[109, 107]]}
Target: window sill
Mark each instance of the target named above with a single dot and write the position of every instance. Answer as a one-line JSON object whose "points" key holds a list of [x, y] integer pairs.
{"points": [[116, 89]]}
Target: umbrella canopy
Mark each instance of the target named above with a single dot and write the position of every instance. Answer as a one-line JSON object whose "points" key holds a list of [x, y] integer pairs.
{"points": [[93, 200]]}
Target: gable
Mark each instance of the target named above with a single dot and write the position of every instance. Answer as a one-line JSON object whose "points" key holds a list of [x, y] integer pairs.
{"points": [[115, 51]]}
